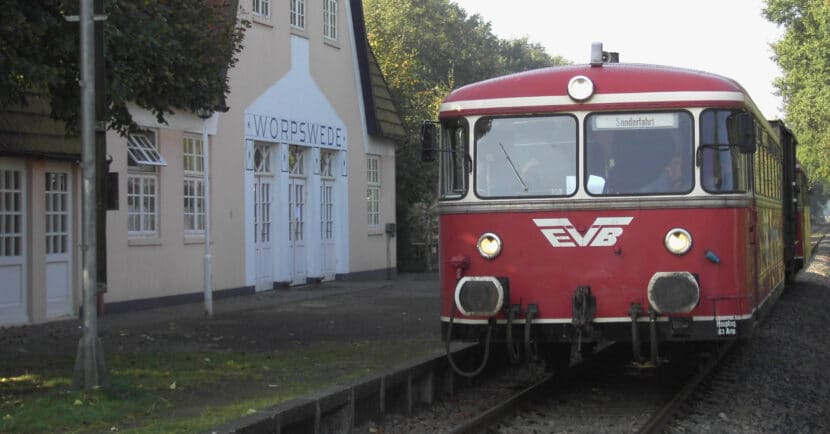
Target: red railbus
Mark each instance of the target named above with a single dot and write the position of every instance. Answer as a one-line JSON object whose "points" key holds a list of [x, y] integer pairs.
{"points": [[610, 202]]}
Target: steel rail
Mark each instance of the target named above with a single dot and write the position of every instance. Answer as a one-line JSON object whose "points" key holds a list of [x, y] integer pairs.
{"points": [[479, 423], [662, 416]]}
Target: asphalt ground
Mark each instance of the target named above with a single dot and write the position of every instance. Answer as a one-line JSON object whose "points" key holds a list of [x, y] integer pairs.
{"points": [[406, 308]]}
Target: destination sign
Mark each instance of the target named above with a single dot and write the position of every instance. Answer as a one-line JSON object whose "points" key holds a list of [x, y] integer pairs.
{"points": [[635, 121]]}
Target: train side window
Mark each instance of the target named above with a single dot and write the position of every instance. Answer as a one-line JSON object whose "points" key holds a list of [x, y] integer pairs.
{"points": [[723, 169], [454, 160]]}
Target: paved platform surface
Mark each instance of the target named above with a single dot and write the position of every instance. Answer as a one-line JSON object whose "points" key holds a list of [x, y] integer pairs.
{"points": [[406, 307]]}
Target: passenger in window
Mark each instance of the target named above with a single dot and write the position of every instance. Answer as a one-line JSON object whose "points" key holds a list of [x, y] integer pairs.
{"points": [[600, 150], [673, 178]]}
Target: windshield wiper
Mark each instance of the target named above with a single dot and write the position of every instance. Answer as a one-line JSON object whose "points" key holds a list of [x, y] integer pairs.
{"points": [[512, 166]]}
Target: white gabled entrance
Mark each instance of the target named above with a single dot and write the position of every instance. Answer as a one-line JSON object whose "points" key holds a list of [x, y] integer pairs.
{"points": [[296, 119], [263, 183], [13, 308], [58, 215]]}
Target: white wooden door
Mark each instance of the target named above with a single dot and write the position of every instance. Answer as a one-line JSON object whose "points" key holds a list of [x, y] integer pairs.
{"points": [[296, 214], [13, 308], [58, 244], [327, 221], [296, 229], [263, 183]]}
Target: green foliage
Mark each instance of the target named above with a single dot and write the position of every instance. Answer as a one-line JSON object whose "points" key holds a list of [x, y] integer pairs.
{"points": [[25, 56], [802, 55], [426, 48], [161, 55]]}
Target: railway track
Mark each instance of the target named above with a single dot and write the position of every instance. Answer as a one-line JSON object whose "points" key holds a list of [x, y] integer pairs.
{"points": [[661, 418], [619, 398]]}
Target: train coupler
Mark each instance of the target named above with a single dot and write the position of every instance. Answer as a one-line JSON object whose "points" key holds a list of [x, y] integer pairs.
{"points": [[511, 312], [652, 327], [584, 311], [531, 349], [634, 313], [639, 362]]}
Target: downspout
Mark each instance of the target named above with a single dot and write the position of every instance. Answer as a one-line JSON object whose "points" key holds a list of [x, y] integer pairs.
{"points": [[208, 258]]}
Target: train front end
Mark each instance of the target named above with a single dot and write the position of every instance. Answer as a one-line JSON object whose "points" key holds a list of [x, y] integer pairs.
{"points": [[601, 203]]}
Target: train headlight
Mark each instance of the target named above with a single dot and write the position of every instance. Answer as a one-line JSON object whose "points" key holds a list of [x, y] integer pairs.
{"points": [[580, 88], [673, 292], [489, 245], [678, 241], [480, 295]]}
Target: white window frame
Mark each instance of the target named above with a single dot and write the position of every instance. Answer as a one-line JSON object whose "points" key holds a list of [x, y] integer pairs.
{"points": [[144, 151], [143, 186], [298, 14], [373, 190], [193, 163], [12, 213], [57, 213], [142, 205], [330, 20], [261, 8]]}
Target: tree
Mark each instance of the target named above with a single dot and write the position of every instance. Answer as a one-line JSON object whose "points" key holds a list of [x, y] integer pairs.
{"points": [[802, 56], [24, 55], [425, 48], [160, 55]]}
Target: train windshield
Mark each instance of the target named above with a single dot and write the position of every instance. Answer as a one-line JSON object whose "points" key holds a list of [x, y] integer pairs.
{"points": [[639, 153], [525, 156]]}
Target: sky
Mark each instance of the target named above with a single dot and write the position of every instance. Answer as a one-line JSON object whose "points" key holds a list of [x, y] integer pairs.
{"points": [[726, 37]]}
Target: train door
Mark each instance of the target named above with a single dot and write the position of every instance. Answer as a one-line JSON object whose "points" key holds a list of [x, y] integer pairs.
{"points": [[327, 239], [13, 308], [58, 244], [263, 183], [296, 215]]}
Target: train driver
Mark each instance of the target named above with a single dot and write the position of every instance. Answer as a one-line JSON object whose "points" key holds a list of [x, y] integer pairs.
{"points": [[673, 178]]}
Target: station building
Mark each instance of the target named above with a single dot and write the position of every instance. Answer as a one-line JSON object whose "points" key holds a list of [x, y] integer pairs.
{"points": [[300, 180]]}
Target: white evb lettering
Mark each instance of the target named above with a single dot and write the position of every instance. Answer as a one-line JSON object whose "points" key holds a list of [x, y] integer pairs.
{"points": [[558, 238], [607, 237]]}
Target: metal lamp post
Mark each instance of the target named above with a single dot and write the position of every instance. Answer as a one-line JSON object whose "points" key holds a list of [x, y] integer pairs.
{"points": [[90, 371]]}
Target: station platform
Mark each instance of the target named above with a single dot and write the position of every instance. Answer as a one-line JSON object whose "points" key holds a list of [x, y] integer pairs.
{"points": [[338, 314]]}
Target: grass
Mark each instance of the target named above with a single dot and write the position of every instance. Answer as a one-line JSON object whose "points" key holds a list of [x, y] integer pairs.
{"points": [[183, 392]]}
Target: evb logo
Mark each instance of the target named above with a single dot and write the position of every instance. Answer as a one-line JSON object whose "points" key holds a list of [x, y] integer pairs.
{"points": [[603, 232]]}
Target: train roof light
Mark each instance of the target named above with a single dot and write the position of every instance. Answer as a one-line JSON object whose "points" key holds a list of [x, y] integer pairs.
{"points": [[599, 57], [580, 88], [596, 54]]}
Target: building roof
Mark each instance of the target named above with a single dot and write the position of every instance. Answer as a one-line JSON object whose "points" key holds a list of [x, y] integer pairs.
{"points": [[29, 131], [382, 117]]}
